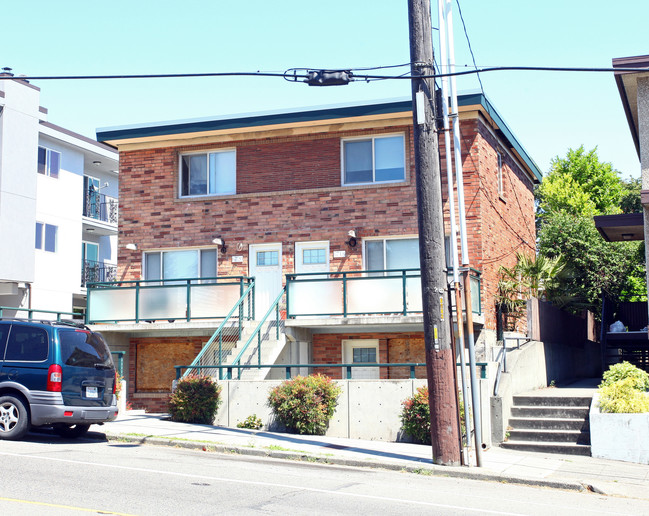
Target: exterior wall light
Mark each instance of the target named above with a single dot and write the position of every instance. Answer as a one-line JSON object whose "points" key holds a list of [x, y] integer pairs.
{"points": [[351, 242], [131, 247]]}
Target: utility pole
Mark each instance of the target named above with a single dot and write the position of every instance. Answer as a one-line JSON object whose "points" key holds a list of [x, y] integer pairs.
{"points": [[439, 355]]}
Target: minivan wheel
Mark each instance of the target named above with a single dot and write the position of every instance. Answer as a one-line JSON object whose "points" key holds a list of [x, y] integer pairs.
{"points": [[71, 431], [14, 419]]}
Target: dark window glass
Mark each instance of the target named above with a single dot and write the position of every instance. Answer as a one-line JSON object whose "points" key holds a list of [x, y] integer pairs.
{"points": [[81, 348], [4, 330], [364, 355], [27, 344], [39, 235], [42, 160]]}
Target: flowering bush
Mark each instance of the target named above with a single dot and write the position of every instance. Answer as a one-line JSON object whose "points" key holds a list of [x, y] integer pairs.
{"points": [[415, 416], [195, 400], [305, 404]]}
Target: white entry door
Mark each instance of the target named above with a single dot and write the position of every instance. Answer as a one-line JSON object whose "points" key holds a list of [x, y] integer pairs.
{"points": [[265, 264], [363, 351], [312, 256]]}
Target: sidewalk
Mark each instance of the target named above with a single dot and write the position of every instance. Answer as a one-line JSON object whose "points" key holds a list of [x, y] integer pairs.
{"points": [[528, 468]]}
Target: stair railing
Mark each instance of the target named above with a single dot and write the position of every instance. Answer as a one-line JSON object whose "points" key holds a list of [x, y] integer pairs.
{"points": [[227, 334], [261, 335]]}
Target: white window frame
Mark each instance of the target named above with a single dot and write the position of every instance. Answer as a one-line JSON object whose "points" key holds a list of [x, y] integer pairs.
{"points": [[207, 154], [43, 230], [383, 239], [48, 162], [501, 186], [373, 138], [162, 252], [348, 346]]}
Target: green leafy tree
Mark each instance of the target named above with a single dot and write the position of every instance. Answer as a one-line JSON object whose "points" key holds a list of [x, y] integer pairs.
{"points": [[630, 202], [578, 187]]}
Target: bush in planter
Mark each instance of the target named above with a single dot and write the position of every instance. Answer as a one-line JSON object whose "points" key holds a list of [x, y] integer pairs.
{"points": [[625, 370], [623, 397], [305, 404], [415, 416], [195, 400]]}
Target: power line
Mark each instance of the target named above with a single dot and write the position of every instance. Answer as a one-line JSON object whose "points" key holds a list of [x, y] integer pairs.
{"points": [[294, 77], [466, 34]]}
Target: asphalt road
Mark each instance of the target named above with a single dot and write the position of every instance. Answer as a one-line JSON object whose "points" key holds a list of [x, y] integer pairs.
{"points": [[49, 475]]}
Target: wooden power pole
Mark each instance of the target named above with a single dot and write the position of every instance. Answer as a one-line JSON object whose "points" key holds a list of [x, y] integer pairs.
{"points": [[439, 355]]}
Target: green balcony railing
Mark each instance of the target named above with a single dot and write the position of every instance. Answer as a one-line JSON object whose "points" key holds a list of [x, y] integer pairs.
{"points": [[185, 299], [362, 293]]}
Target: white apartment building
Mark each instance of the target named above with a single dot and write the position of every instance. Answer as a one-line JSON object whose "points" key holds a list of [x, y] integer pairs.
{"points": [[58, 207]]}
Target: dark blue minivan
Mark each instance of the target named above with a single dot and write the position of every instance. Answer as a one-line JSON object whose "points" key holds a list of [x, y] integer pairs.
{"points": [[56, 374]]}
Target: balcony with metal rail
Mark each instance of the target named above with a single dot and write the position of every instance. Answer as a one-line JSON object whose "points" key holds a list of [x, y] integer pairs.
{"points": [[100, 208], [95, 272]]}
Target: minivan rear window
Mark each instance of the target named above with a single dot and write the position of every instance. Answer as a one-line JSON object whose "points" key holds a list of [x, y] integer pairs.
{"points": [[27, 344], [81, 348]]}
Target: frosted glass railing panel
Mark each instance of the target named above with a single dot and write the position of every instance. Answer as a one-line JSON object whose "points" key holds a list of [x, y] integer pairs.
{"points": [[475, 295], [381, 295], [111, 305], [316, 297], [214, 300], [413, 294], [163, 303]]}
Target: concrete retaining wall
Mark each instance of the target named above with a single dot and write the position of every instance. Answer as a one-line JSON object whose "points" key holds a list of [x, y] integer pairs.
{"points": [[619, 436], [367, 409]]}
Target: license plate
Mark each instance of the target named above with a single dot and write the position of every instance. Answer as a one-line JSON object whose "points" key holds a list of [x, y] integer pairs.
{"points": [[91, 392]]}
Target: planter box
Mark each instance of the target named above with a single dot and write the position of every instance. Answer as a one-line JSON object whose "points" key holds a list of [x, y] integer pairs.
{"points": [[619, 436]]}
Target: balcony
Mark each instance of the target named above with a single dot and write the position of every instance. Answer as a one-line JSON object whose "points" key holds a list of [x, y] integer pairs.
{"points": [[356, 293], [95, 272], [187, 300], [100, 207]]}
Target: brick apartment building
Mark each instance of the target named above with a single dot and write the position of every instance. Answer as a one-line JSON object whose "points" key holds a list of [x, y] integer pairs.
{"points": [[322, 191]]}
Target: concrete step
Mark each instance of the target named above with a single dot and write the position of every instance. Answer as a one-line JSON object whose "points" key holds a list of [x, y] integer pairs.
{"points": [[566, 449], [552, 401], [550, 412], [537, 423], [550, 436]]}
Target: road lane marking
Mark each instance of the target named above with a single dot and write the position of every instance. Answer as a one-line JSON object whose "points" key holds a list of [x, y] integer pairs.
{"points": [[59, 506]]}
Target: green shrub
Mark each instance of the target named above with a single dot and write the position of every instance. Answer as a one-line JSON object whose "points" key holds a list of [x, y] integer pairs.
{"points": [[415, 416], [251, 422], [195, 400], [623, 397], [305, 404], [625, 370]]}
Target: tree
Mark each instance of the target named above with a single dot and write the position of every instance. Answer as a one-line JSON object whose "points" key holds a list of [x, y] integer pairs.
{"points": [[630, 202], [578, 187]]}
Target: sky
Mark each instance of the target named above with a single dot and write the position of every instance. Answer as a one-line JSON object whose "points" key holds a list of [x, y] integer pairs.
{"points": [[548, 112]]}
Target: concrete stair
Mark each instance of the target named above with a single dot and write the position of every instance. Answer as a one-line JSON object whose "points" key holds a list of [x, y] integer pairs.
{"points": [[550, 424]]}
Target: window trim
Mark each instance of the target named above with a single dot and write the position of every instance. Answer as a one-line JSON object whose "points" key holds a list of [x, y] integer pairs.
{"points": [[383, 239], [161, 253], [499, 175], [373, 138], [48, 162], [43, 236], [207, 154]]}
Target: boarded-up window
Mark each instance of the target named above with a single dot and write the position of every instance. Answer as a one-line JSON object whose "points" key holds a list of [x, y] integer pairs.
{"points": [[156, 360]]}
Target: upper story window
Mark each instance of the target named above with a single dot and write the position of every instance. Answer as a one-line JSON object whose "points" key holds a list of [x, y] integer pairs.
{"points": [[46, 237], [380, 159], [391, 253], [49, 162], [501, 187], [212, 173], [185, 264]]}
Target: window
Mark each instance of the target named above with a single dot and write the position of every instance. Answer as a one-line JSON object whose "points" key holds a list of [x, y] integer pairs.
{"points": [[84, 349], [208, 174], [267, 258], [402, 253], [46, 237], [193, 263], [314, 256], [49, 162], [501, 188], [361, 351], [374, 160], [27, 344]]}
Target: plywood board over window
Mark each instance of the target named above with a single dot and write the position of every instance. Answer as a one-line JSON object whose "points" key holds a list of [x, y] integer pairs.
{"points": [[406, 349], [156, 358]]}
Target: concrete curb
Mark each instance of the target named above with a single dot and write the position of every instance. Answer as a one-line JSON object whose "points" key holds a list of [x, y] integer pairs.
{"points": [[427, 469]]}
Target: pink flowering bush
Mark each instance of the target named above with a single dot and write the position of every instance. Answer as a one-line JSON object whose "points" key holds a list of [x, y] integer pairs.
{"points": [[305, 404], [195, 400]]}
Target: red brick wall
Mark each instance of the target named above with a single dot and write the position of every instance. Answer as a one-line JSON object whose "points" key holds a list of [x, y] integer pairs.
{"points": [[290, 191], [393, 347]]}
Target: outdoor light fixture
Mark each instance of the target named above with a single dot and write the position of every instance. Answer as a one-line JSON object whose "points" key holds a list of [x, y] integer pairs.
{"points": [[351, 242], [131, 247], [96, 162], [219, 241], [627, 236]]}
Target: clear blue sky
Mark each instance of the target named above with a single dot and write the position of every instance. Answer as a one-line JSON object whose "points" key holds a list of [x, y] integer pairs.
{"points": [[548, 112]]}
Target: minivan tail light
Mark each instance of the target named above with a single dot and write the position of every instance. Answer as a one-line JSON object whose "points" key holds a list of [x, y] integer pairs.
{"points": [[115, 383], [54, 378]]}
